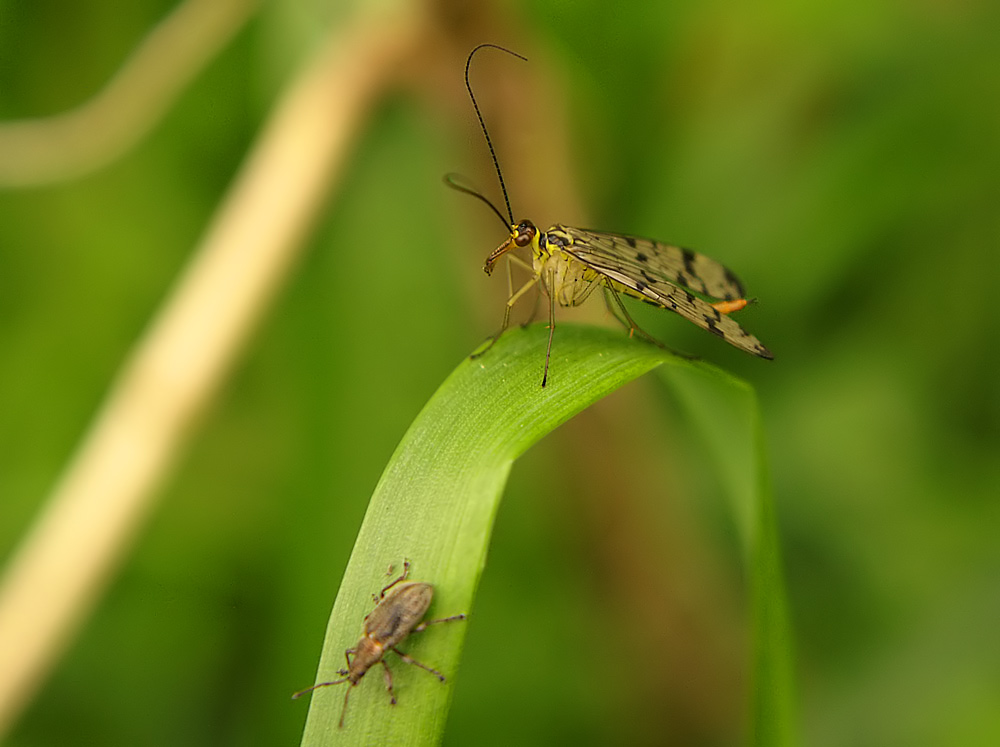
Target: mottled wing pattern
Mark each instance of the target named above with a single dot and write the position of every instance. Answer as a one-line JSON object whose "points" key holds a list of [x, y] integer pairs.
{"points": [[645, 258], [649, 271]]}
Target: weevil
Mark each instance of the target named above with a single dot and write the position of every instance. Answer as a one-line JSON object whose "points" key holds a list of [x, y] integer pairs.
{"points": [[395, 616]]}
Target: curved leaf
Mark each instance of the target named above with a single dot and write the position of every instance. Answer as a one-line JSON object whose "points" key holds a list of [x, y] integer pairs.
{"points": [[436, 502]]}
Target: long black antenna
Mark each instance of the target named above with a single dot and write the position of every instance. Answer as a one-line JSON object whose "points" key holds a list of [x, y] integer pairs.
{"points": [[482, 123], [452, 181]]}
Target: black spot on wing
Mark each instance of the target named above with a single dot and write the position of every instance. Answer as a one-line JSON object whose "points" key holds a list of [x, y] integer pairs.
{"points": [[688, 257], [735, 282]]}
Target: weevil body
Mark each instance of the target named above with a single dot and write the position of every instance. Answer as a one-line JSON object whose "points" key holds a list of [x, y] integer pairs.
{"points": [[395, 616]]}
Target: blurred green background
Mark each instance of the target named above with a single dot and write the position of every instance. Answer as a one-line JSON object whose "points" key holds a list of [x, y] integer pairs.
{"points": [[842, 157]]}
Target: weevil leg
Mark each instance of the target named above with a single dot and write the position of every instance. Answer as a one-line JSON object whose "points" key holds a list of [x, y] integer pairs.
{"points": [[347, 657], [387, 675], [406, 572], [343, 711], [410, 660], [423, 625]]}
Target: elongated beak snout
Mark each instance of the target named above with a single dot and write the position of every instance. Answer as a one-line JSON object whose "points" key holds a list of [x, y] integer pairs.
{"points": [[497, 253]]}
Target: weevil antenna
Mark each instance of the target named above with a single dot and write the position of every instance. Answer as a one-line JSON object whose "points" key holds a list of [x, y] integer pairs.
{"points": [[300, 693]]}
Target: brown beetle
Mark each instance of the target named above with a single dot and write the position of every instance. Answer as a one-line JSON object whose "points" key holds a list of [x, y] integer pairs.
{"points": [[395, 616]]}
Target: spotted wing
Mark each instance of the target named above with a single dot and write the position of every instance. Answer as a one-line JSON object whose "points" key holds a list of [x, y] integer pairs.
{"points": [[660, 262], [653, 271]]}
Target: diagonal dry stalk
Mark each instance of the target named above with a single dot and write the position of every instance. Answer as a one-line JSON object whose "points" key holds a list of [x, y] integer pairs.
{"points": [[99, 504], [51, 149]]}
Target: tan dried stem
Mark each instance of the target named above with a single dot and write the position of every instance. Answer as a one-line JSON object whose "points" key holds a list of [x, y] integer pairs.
{"points": [[65, 146], [99, 504]]}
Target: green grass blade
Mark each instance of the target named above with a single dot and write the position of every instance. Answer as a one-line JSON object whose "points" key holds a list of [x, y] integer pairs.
{"points": [[725, 411], [435, 505]]}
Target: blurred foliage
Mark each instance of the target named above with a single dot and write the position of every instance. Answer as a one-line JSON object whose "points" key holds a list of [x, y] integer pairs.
{"points": [[842, 157]]}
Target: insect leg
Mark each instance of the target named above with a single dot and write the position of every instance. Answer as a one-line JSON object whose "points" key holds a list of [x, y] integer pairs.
{"points": [[629, 322], [619, 308], [343, 711], [423, 625], [506, 316], [534, 313], [552, 323], [406, 572], [388, 682], [513, 259], [510, 276], [410, 660]]}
